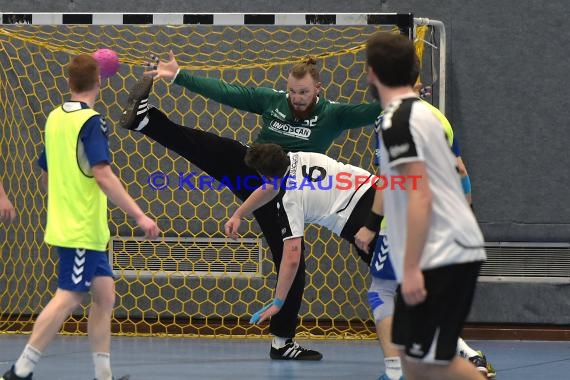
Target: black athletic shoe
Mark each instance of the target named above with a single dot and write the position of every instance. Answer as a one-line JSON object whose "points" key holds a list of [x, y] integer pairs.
{"points": [[292, 351], [137, 105], [126, 377], [10, 375]]}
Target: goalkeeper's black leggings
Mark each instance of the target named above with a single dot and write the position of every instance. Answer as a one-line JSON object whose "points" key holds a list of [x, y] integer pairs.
{"points": [[222, 157]]}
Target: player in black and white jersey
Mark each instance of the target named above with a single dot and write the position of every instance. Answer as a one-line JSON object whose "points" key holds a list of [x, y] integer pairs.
{"points": [[311, 188], [436, 244]]}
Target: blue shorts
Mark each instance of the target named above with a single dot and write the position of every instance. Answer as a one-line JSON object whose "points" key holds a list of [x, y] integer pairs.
{"points": [[78, 267], [381, 265]]}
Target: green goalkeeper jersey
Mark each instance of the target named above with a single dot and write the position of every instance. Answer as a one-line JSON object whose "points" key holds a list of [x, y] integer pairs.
{"points": [[315, 134]]}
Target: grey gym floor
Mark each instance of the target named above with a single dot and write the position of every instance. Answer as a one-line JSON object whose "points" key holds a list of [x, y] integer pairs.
{"points": [[150, 358]]}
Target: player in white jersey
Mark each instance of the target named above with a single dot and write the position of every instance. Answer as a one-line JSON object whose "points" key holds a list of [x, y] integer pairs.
{"points": [[313, 188], [436, 244], [383, 284]]}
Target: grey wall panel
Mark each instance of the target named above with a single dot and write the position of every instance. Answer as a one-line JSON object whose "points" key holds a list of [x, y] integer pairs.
{"points": [[515, 302], [507, 104]]}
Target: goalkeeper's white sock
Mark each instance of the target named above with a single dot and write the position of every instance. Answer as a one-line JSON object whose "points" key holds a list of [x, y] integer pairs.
{"points": [[279, 342], [102, 362], [27, 361], [464, 350]]}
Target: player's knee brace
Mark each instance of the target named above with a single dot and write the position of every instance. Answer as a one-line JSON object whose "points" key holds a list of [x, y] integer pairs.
{"points": [[381, 298]]}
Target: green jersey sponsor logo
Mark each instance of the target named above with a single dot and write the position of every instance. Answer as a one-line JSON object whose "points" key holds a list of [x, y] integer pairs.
{"points": [[289, 130]]}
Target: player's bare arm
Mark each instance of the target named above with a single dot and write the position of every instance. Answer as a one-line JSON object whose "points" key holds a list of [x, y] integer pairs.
{"points": [[260, 197], [7, 211], [418, 219], [463, 174], [112, 187], [365, 235], [44, 180], [287, 271]]}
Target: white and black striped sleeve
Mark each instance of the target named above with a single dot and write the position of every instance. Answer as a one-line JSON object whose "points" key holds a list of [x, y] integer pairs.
{"points": [[291, 215], [403, 143]]}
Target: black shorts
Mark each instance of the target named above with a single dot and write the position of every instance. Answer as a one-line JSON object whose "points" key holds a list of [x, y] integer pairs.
{"points": [[429, 331]]}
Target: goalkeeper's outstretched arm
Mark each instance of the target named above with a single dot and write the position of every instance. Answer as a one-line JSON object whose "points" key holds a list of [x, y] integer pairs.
{"points": [[249, 99]]}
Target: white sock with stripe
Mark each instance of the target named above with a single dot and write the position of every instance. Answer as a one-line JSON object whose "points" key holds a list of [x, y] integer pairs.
{"points": [[102, 362], [279, 342], [27, 361], [393, 367]]}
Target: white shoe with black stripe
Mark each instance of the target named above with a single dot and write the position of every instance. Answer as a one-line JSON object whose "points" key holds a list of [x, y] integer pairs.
{"points": [[136, 111], [293, 351]]}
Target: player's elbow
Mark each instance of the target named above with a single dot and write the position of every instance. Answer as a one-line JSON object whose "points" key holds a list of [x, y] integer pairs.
{"points": [[291, 259], [44, 180], [425, 199], [103, 175], [292, 250]]}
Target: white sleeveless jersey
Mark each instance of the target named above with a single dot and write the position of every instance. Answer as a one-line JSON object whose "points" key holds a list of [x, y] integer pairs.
{"points": [[320, 190], [411, 132]]}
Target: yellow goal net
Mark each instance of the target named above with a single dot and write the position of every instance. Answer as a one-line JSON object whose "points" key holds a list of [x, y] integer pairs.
{"points": [[193, 281]]}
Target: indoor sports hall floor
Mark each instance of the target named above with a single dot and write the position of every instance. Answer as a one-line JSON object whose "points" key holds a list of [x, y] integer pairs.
{"points": [[68, 358]]}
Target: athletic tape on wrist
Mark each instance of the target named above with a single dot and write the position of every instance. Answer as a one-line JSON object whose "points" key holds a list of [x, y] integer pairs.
{"points": [[466, 183], [278, 302]]}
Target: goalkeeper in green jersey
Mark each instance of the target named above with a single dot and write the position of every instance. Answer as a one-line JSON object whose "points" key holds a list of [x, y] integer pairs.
{"points": [[299, 118]]}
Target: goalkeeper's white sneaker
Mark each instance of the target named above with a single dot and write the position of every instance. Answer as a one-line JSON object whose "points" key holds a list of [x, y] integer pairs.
{"points": [[292, 351], [135, 113]]}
